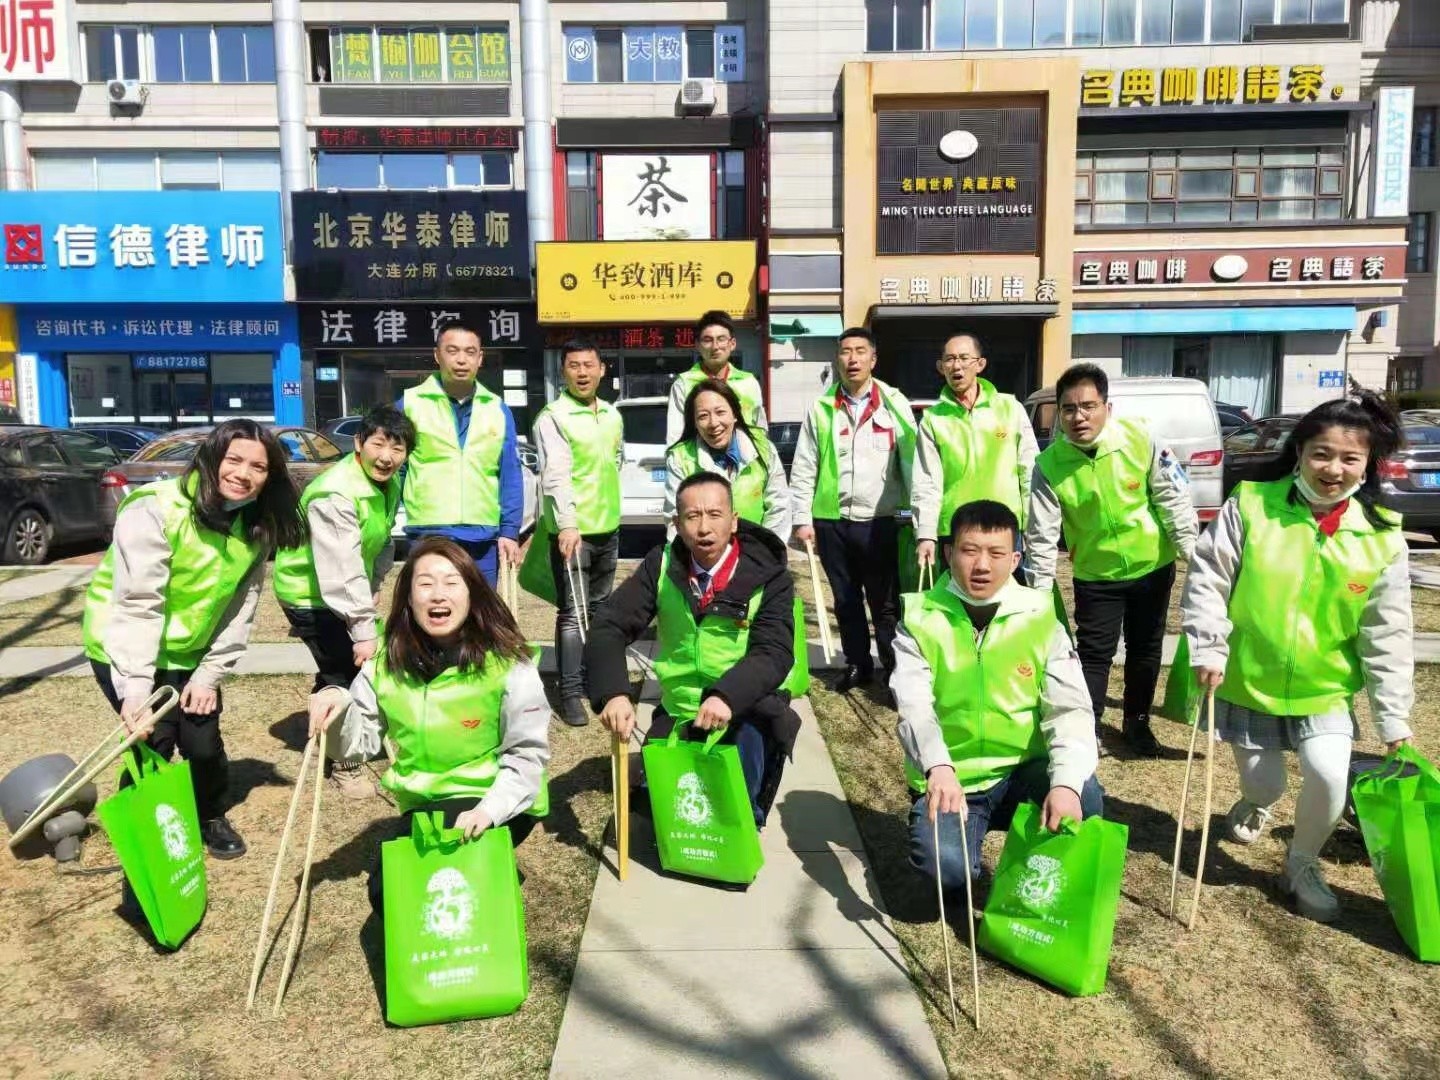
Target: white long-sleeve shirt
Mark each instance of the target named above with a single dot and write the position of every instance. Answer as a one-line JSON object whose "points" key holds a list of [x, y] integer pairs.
{"points": [[345, 588]]}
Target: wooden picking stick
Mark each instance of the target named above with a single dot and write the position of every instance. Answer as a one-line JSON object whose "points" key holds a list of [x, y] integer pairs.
{"points": [[620, 756], [944, 923], [821, 615], [302, 910], [1180, 817], [969, 921], [1209, 792]]}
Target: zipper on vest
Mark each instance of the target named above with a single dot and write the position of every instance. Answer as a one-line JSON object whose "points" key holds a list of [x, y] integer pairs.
{"points": [[1295, 613]]}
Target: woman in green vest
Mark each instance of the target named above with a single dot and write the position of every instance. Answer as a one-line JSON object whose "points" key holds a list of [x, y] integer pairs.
{"points": [[1297, 599], [455, 689], [717, 439], [172, 602]]}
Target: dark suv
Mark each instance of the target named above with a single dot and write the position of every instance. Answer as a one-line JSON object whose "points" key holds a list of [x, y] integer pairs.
{"points": [[50, 490]]}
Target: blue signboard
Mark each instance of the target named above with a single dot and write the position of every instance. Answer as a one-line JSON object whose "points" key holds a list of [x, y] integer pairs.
{"points": [[669, 54], [168, 328], [170, 361], [89, 247], [1332, 380], [730, 53], [579, 54]]}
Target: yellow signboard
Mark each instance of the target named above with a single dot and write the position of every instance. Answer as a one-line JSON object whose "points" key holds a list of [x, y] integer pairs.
{"points": [[1257, 84], [9, 340], [652, 281]]}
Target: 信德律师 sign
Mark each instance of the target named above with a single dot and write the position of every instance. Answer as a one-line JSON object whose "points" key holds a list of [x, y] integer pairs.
{"points": [[415, 326], [1218, 84], [650, 280], [65, 247], [411, 245]]}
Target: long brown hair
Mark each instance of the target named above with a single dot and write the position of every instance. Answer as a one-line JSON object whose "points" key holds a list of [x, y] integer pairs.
{"points": [[691, 430], [413, 655], [274, 517]]}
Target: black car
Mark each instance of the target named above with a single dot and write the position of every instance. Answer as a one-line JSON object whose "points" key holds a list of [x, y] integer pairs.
{"points": [[125, 439], [1232, 417], [50, 490], [1251, 448], [1410, 481], [342, 430], [785, 436]]}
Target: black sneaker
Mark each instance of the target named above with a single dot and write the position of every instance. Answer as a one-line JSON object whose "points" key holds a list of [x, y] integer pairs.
{"points": [[1141, 739], [572, 711], [221, 839]]}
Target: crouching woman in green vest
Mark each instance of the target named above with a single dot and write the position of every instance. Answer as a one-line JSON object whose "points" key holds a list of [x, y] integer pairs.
{"points": [[172, 602], [1298, 597], [455, 689], [716, 439], [992, 701], [722, 601]]}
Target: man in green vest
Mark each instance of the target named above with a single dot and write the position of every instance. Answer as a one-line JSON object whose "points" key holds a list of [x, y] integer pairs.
{"points": [[721, 598], [579, 437], [1123, 503], [992, 701], [850, 477], [715, 342], [974, 443], [329, 588], [463, 480]]}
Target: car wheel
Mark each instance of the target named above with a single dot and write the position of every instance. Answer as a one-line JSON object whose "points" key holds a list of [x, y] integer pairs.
{"points": [[27, 541]]}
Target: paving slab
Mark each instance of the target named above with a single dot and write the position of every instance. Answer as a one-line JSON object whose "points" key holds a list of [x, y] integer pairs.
{"points": [[31, 585]]}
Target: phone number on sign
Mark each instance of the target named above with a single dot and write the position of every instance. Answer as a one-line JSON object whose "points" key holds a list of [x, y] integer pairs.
{"points": [[480, 271]]}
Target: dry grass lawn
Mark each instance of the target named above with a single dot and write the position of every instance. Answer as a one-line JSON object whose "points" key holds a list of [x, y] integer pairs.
{"points": [[86, 995], [1254, 991]]}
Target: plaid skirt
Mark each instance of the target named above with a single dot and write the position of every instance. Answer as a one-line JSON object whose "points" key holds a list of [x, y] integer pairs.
{"points": [[1251, 730]]}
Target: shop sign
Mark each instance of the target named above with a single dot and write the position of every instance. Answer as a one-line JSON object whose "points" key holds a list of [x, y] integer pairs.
{"points": [[659, 338], [655, 196], [27, 375], [958, 181], [966, 289], [1218, 268], [9, 338], [661, 280], [1393, 116], [411, 245], [414, 326], [417, 138], [170, 361], [38, 41], [1220, 84], [115, 247], [174, 328], [1331, 380]]}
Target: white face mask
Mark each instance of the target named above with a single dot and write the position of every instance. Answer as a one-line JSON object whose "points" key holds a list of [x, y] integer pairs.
{"points": [[231, 505], [973, 601], [1312, 497]]}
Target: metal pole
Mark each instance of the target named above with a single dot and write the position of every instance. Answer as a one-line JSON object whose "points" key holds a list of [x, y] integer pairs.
{"points": [[535, 103], [12, 140], [290, 80]]}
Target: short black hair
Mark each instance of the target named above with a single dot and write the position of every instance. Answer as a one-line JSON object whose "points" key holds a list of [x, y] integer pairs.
{"points": [[390, 422], [579, 345], [979, 345], [857, 331], [984, 515], [457, 324], [1076, 374], [696, 480], [714, 318]]}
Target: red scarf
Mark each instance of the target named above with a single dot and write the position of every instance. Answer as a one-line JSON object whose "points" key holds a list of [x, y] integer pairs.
{"points": [[1328, 521], [720, 574]]}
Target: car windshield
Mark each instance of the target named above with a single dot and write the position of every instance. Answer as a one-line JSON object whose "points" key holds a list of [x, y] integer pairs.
{"points": [[1170, 417], [644, 424], [166, 450], [1422, 435]]}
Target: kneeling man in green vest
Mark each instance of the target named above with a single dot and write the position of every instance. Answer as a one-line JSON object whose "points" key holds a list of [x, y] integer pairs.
{"points": [[992, 701], [722, 600]]}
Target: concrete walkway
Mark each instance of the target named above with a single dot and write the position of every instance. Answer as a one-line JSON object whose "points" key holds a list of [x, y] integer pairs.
{"points": [[800, 976], [37, 583]]}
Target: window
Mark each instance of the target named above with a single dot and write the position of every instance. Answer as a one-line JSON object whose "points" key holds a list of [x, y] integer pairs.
{"points": [[1420, 236], [86, 451], [245, 53], [1134, 187], [112, 52], [730, 203], [1422, 141], [1405, 375], [651, 54], [415, 54], [1189, 22], [43, 453], [167, 170], [580, 195], [367, 171], [700, 52], [181, 53]]}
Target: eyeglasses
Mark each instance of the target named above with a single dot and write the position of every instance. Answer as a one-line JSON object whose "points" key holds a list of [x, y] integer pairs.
{"points": [[1084, 408], [962, 360], [711, 342]]}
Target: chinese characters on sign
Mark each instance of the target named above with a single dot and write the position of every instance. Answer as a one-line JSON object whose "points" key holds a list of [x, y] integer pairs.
{"points": [[417, 138], [411, 245], [655, 196], [1256, 84], [965, 289], [610, 282], [1219, 268], [414, 326], [468, 54], [666, 338], [132, 246], [43, 327], [37, 40]]}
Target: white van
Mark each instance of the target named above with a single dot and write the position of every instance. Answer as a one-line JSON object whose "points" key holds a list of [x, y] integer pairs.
{"points": [[642, 472], [1180, 412]]}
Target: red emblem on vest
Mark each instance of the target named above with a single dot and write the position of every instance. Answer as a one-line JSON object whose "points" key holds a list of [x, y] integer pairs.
{"points": [[1025, 671], [1358, 589], [471, 724], [1132, 485]]}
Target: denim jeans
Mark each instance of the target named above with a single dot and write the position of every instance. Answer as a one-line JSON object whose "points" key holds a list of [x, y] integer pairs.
{"points": [[597, 556], [990, 809]]}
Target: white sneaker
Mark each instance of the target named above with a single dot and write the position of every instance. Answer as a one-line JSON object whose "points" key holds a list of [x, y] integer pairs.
{"points": [[1306, 883], [1246, 821], [353, 780]]}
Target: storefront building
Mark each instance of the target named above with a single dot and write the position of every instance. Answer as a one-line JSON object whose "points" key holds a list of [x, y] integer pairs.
{"points": [[159, 308], [9, 346], [378, 273]]}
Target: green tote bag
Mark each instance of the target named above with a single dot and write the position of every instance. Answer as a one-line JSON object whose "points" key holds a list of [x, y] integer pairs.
{"points": [[704, 824], [1052, 907], [1398, 806], [798, 681], [535, 576], [155, 831], [1183, 696], [454, 925]]}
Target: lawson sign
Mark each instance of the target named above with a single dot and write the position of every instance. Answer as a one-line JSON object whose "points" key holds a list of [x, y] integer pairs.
{"points": [[67, 247]]}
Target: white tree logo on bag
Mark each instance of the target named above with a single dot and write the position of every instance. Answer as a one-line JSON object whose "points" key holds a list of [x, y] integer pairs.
{"points": [[173, 833], [1042, 883], [450, 906], [691, 805]]}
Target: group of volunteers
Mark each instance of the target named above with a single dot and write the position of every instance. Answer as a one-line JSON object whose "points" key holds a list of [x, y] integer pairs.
{"points": [[1296, 599]]}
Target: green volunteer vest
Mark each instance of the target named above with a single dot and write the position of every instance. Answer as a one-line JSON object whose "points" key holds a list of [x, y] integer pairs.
{"points": [[826, 502], [296, 583], [1111, 527], [987, 696], [747, 489], [595, 437], [445, 485], [745, 385], [206, 569], [979, 450], [1296, 604], [446, 733]]}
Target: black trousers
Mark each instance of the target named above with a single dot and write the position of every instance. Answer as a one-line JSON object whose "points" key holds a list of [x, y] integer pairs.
{"points": [[196, 736], [597, 555], [862, 561], [1102, 609], [325, 635]]}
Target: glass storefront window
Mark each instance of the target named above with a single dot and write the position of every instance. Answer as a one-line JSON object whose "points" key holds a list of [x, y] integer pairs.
{"points": [[101, 387], [242, 385]]}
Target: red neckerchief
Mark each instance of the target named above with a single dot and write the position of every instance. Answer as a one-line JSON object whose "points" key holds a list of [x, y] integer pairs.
{"points": [[720, 576], [1329, 520], [872, 404]]}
